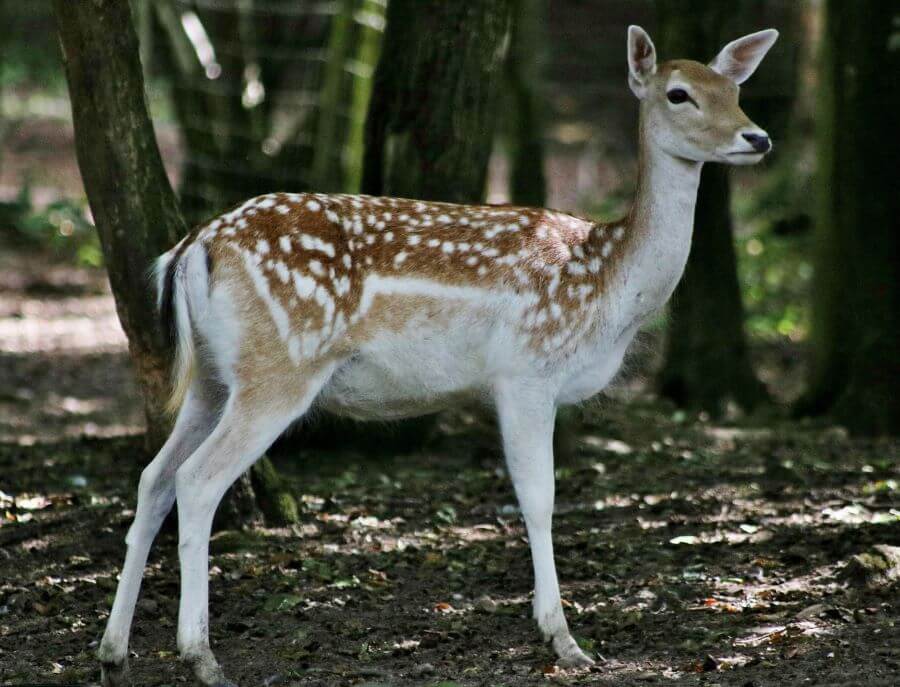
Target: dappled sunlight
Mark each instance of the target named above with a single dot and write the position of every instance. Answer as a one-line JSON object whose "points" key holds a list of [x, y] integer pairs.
{"points": [[401, 565]]}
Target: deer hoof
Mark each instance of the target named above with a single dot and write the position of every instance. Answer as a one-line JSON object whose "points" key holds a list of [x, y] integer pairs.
{"points": [[576, 660], [115, 674], [570, 654]]}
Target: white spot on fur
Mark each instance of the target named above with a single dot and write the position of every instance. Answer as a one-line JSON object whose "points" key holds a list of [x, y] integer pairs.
{"points": [[303, 285], [315, 243], [283, 272]]}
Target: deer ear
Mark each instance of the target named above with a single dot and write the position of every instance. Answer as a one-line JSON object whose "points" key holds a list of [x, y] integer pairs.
{"points": [[739, 59], [641, 60]]}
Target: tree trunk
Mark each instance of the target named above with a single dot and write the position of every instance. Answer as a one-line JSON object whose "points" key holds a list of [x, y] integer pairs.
{"points": [[368, 51], [328, 146], [706, 358], [134, 207], [856, 296], [524, 135], [430, 128]]}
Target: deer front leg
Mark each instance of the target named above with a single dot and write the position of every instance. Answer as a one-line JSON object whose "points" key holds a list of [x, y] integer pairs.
{"points": [[526, 412]]}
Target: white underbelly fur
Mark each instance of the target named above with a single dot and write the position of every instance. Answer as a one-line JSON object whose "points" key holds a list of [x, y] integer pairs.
{"points": [[413, 372]]}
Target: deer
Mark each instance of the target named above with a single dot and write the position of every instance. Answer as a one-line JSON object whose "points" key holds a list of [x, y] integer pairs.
{"points": [[379, 308]]}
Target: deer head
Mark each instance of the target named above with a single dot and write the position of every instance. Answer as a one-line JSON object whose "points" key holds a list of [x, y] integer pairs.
{"points": [[690, 110]]}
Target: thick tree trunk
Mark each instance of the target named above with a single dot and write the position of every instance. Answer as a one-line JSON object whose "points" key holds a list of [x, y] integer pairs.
{"points": [[706, 360], [431, 119], [855, 369], [134, 207], [524, 135]]}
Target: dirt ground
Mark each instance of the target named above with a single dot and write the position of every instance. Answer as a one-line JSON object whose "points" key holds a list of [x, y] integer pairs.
{"points": [[755, 553]]}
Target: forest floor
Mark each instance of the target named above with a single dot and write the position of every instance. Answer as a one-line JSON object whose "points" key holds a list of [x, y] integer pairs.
{"points": [[752, 553]]}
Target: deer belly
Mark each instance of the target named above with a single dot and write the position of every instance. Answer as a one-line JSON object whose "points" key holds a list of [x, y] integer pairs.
{"points": [[381, 385]]}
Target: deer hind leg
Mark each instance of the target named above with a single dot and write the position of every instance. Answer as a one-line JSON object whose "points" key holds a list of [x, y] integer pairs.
{"points": [[251, 421], [156, 494], [526, 415]]}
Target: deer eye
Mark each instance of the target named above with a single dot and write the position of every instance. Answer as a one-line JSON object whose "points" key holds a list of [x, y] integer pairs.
{"points": [[677, 96]]}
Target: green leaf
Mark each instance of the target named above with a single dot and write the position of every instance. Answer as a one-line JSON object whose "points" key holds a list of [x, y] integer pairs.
{"points": [[282, 602]]}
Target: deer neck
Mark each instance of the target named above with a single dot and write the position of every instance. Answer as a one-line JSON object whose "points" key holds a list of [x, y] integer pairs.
{"points": [[657, 231]]}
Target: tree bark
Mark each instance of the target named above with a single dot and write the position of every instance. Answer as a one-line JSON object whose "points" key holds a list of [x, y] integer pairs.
{"points": [[524, 135], [430, 127], [368, 51], [855, 370], [706, 358], [134, 207]]}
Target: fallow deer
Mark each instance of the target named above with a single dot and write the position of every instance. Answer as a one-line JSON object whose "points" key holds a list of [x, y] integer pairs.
{"points": [[381, 308]]}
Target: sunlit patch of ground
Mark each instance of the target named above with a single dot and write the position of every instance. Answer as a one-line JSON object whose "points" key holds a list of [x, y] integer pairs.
{"points": [[63, 355], [690, 552]]}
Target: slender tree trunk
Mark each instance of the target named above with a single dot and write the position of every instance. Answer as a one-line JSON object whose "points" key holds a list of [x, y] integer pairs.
{"points": [[855, 372], [134, 207], [327, 170], [367, 53], [706, 358], [430, 128]]}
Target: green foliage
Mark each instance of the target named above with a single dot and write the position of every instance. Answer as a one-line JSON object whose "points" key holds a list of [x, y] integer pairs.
{"points": [[775, 254], [775, 274], [30, 53], [60, 228]]}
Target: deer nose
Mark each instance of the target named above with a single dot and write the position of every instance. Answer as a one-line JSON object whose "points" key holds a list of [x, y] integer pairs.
{"points": [[760, 142]]}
